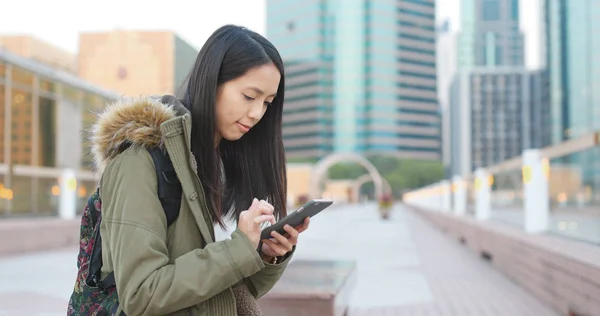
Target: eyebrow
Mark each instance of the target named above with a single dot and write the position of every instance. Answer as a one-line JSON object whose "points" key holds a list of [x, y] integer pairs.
{"points": [[257, 90]]}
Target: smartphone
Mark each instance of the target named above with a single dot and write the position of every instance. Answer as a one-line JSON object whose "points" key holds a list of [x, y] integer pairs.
{"points": [[296, 217]]}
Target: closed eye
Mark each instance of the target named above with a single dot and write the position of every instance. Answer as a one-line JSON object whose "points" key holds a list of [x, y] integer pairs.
{"points": [[248, 98]]}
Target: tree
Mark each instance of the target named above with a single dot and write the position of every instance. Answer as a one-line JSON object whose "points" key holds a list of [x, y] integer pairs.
{"points": [[401, 174], [342, 171]]}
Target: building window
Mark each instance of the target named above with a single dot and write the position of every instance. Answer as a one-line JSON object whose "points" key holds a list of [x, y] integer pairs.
{"points": [[71, 93], [21, 105], [491, 10], [22, 77], [499, 55], [47, 85], [514, 10], [46, 132], [92, 104]]}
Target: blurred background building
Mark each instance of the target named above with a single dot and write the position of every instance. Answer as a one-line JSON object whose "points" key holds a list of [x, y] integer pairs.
{"points": [[43, 111], [361, 77], [446, 66], [496, 114], [498, 106], [39, 50], [572, 54], [490, 34], [135, 62]]}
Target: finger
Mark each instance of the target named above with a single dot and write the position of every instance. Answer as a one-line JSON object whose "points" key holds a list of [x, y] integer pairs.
{"points": [[263, 218], [264, 208], [304, 226], [282, 240], [273, 240], [267, 205], [293, 233], [278, 249], [267, 250], [254, 204], [307, 221]]}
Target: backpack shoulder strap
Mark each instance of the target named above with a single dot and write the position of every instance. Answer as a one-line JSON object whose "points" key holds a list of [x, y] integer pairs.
{"points": [[169, 187]]}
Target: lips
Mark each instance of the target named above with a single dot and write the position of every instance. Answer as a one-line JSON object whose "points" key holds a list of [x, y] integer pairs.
{"points": [[243, 127]]}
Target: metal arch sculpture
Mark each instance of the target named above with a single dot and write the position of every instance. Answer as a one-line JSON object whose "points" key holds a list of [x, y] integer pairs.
{"points": [[324, 164]]}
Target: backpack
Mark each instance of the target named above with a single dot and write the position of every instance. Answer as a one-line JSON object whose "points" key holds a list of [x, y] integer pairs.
{"points": [[95, 296]]}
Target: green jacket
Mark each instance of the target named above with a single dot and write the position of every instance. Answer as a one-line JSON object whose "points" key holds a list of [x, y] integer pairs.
{"points": [[160, 271]]}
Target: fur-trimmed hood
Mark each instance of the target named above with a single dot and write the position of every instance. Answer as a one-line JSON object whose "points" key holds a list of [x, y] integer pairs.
{"points": [[131, 122]]}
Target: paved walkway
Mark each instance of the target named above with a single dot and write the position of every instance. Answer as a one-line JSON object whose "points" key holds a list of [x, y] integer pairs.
{"points": [[405, 267], [37, 284]]}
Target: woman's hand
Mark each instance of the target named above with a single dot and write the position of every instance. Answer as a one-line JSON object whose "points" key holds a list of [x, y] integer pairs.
{"points": [[280, 245], [251, 220]]}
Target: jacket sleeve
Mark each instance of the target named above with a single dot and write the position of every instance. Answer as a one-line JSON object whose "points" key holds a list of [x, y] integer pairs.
{"points": [[263, 281], [134, 231]]}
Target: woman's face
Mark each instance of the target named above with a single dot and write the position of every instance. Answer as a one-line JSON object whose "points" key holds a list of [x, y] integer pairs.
{"points": [[242, 102]]}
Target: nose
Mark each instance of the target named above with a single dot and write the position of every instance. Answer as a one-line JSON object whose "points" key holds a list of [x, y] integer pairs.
{"points": [[256, 110]]}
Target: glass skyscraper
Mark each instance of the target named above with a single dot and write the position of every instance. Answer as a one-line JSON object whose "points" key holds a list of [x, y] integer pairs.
{"points": [[573, 60], [490, 34], [360, 76], [574, 65]]}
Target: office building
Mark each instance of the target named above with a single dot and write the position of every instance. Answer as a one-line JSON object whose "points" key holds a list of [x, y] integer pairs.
{"points": [[574, 72], [490, 34], [43, 112], [360, 76], [572, 55], [496, 114], [135, 62]]}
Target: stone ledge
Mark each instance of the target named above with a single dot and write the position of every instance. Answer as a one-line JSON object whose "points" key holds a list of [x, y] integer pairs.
{"points": [[23, 235], [562, 273], [312, 288]]}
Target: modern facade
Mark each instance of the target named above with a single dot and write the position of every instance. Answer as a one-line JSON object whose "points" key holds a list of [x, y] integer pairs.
{"points": [[42, 114], [573, 51], [572, 61], [490, 34], [135, 62], [539, 131], [360, 76], [496, 114]]}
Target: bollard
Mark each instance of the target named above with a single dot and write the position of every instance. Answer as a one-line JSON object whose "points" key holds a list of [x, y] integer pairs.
{"points": [[482, 197], [68, 195], [536, 206], [460, 196], [446, 196]]}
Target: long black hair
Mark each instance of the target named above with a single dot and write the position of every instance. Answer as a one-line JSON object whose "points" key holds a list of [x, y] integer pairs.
{"points": [[254, 166]]}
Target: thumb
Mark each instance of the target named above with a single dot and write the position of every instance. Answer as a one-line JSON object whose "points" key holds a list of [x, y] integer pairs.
{"points": [[254, 204]]}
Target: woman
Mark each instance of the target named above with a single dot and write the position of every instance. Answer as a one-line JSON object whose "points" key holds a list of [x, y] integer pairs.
{"points": [[224, 140]]}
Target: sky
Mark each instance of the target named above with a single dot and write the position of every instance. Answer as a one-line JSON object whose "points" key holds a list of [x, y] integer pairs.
{"points": [[60, 21]]}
